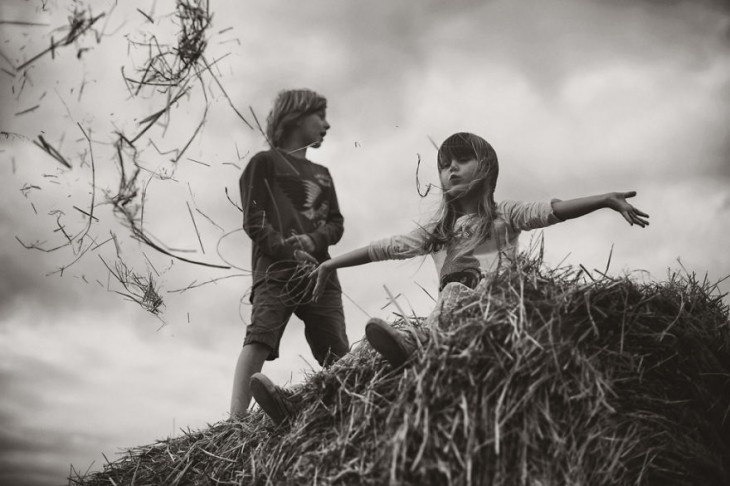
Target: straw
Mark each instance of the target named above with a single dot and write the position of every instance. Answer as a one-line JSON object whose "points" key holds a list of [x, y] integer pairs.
{"points": [[548, 377]]}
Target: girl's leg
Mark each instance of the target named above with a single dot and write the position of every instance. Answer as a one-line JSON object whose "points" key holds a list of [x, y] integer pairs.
{"points": [[250, 361], [450, 300], [395, 345]]}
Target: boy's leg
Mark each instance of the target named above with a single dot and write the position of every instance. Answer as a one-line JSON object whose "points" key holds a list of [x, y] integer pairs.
{"points": [[324, 326], [250, 361], [276, 402], [268, 320]]}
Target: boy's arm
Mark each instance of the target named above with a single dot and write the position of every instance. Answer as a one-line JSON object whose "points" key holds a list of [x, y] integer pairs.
{"points": [[331, 232], [255, 192], [575, 208]]}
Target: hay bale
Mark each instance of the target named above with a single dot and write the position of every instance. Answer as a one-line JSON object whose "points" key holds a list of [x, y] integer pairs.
{"points": [[550, 377]]}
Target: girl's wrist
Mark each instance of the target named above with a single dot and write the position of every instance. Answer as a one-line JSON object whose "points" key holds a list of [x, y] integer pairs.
{"points": [[607, 200]]}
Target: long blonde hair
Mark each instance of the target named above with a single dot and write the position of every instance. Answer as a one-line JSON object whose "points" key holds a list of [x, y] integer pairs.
{"points": [[458, 146]]}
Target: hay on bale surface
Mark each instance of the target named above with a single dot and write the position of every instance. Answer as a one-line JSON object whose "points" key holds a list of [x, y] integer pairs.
{"points": [[549, 377]]}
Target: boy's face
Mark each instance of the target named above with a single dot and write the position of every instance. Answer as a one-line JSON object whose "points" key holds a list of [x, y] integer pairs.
{"points": [[312, 128]]}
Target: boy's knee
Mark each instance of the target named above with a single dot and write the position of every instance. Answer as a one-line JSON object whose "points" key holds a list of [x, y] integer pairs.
{"points": [[328, 356]]}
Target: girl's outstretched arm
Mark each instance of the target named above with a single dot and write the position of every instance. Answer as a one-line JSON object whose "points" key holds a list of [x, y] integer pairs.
{"points": [[575, 208], [352, 258]]}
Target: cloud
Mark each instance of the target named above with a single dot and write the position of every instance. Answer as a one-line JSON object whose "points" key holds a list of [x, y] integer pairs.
{"points": [[96, 382], [24, 285], [577, 98]]}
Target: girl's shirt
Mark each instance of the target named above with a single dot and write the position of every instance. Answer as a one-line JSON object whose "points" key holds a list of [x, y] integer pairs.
{"points": [[511, 219]]}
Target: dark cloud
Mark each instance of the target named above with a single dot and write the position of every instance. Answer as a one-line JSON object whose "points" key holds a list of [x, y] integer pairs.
{"points": [[31, 454], [24, 285], [715, 5]]}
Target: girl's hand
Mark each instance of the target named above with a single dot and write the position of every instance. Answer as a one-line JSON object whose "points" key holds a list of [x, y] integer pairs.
{"points": [[617, 202], [321, 273]]}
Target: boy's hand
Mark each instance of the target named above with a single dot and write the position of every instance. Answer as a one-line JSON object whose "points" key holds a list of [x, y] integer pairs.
{"points": [[301, 242], [303, 257], [322, 273], [617, 202]]}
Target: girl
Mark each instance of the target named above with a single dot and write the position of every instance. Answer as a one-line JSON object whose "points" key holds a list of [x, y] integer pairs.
{"points": [[470, 236]]}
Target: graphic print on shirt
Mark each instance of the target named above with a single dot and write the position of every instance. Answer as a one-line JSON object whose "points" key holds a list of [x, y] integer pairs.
{"points": [[307, 196]]}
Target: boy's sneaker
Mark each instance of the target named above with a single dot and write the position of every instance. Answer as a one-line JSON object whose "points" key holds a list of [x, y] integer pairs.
{"points": [[391, 343], [273, 400]]}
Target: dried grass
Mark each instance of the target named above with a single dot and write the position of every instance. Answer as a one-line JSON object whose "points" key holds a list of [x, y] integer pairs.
{"points": [[551, 377]]}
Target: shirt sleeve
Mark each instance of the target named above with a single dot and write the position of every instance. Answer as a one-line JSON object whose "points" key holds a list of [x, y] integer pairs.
{"points": [[526, 216], [399, 247], [331, 232], [255, 185]]}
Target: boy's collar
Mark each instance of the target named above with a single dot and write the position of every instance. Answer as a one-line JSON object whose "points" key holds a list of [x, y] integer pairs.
{"points": [[291, 155]]}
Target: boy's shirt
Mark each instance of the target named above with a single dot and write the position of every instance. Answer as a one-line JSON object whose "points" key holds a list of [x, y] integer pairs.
{"points": [[282, 196]]}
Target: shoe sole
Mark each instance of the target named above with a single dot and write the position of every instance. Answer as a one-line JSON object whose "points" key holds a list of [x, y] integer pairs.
{"points": [[386, 341], [266, 395]]}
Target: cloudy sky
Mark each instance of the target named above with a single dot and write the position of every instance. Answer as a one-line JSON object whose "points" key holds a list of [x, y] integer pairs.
{"points": [[577, 97]]}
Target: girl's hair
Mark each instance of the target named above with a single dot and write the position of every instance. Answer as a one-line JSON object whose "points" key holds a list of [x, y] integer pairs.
{"points": [[290, 106], [465, 145]]}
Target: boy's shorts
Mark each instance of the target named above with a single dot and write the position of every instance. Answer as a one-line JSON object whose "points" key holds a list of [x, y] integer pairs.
{"points": [[324, 320]]}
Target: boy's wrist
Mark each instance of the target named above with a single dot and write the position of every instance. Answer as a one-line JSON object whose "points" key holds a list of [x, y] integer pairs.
{"points": [[312, 243]]}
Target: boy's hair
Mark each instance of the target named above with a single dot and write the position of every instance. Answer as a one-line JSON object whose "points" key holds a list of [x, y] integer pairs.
{"points": [[459, 146], [290, 106]]}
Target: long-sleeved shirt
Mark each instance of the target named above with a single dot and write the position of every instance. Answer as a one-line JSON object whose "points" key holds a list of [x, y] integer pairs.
{"points": [[512, 217], [282, 196]]}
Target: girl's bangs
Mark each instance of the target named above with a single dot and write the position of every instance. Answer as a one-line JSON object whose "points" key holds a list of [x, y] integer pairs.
{"points": [[463, 145], [457, 147]]}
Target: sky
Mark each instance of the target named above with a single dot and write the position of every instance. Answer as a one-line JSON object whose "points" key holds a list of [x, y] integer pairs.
{"points": [[577, 97]]}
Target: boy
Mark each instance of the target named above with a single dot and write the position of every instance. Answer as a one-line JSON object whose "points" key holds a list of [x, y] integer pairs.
{"points": [[291, 214]]}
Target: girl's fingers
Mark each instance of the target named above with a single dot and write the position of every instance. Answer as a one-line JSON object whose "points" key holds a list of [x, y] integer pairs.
{"points": [[627, 217], [319, 286], [641, 222], [638, 211], [315, 292]]}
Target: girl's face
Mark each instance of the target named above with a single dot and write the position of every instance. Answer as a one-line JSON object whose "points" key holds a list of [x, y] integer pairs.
{"points": [[312, 128], [458, 174]]}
